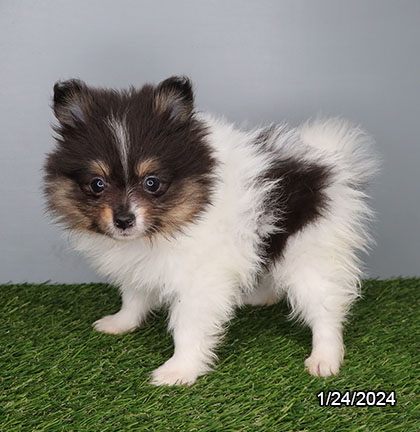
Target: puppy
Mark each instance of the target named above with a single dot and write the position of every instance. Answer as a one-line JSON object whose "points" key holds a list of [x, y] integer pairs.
{"points": [[183, 210]]}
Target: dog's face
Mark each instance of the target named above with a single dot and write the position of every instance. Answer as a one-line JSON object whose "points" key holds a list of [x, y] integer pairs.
{"points": [[128, 164]]}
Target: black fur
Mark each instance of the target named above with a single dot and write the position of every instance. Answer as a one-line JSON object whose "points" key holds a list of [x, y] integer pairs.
{"points": [[298, 199], [166, 131], [180, 144], [65, 90], [181, 102]]}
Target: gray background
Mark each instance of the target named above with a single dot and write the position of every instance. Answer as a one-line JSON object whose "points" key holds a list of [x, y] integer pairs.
{"points": [[259, 61]]}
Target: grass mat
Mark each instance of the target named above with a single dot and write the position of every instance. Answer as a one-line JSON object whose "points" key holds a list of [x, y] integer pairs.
{"points": [[57, 374]]}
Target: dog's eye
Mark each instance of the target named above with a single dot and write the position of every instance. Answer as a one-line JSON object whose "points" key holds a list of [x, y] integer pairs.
{"points": [[97, 185], [151, 184]]}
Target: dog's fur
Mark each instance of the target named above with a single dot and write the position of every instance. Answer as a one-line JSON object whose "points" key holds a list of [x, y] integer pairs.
{"points": [[239, 217]]}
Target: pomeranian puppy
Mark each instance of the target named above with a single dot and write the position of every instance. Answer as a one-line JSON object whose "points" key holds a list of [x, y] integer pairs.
{"points": [[183, 210]]}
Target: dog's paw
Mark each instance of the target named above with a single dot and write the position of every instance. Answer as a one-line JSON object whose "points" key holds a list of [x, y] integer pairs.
{"points": [[322, 364], [115, 324], [174, 372]]}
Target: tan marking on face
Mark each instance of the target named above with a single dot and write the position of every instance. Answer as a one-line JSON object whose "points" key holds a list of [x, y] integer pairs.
{"points": [[191, 202], [64, 206], [106, 217], [99, 167], [147, 166]]}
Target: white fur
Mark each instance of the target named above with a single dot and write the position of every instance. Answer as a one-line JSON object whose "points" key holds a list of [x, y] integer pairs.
{"points": [[204, 273], [119, 130]]}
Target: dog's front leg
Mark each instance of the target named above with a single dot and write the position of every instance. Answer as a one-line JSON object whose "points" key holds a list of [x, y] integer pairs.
{"points": [[197, 317]]}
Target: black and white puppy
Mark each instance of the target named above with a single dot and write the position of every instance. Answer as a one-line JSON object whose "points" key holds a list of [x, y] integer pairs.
{"points": [[181, 209]]}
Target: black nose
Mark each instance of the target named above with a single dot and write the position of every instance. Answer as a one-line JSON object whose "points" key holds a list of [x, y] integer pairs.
{"points": [[124, 220]]}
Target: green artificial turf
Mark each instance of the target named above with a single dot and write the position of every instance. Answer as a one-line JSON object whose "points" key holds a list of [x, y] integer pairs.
{"points": [[56, 373]]}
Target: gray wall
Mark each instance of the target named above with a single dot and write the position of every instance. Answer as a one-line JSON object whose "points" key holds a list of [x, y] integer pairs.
{"points": [[259, 61]]}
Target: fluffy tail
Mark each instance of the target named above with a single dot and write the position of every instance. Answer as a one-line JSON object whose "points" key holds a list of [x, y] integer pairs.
{"points": [[346, 143]]}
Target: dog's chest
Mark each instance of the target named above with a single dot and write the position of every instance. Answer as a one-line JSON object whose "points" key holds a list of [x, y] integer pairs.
{"points": [[139, 264]]}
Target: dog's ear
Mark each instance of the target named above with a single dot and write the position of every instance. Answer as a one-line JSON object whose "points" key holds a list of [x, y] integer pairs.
{"points": [[175, 96], [71, 102]]}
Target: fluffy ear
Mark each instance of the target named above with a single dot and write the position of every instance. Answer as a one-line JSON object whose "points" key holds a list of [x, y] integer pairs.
{"points": [[175, 95], [70, 102]]}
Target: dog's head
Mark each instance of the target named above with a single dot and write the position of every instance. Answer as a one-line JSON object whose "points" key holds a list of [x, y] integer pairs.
{"points": [[128, 163]]}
